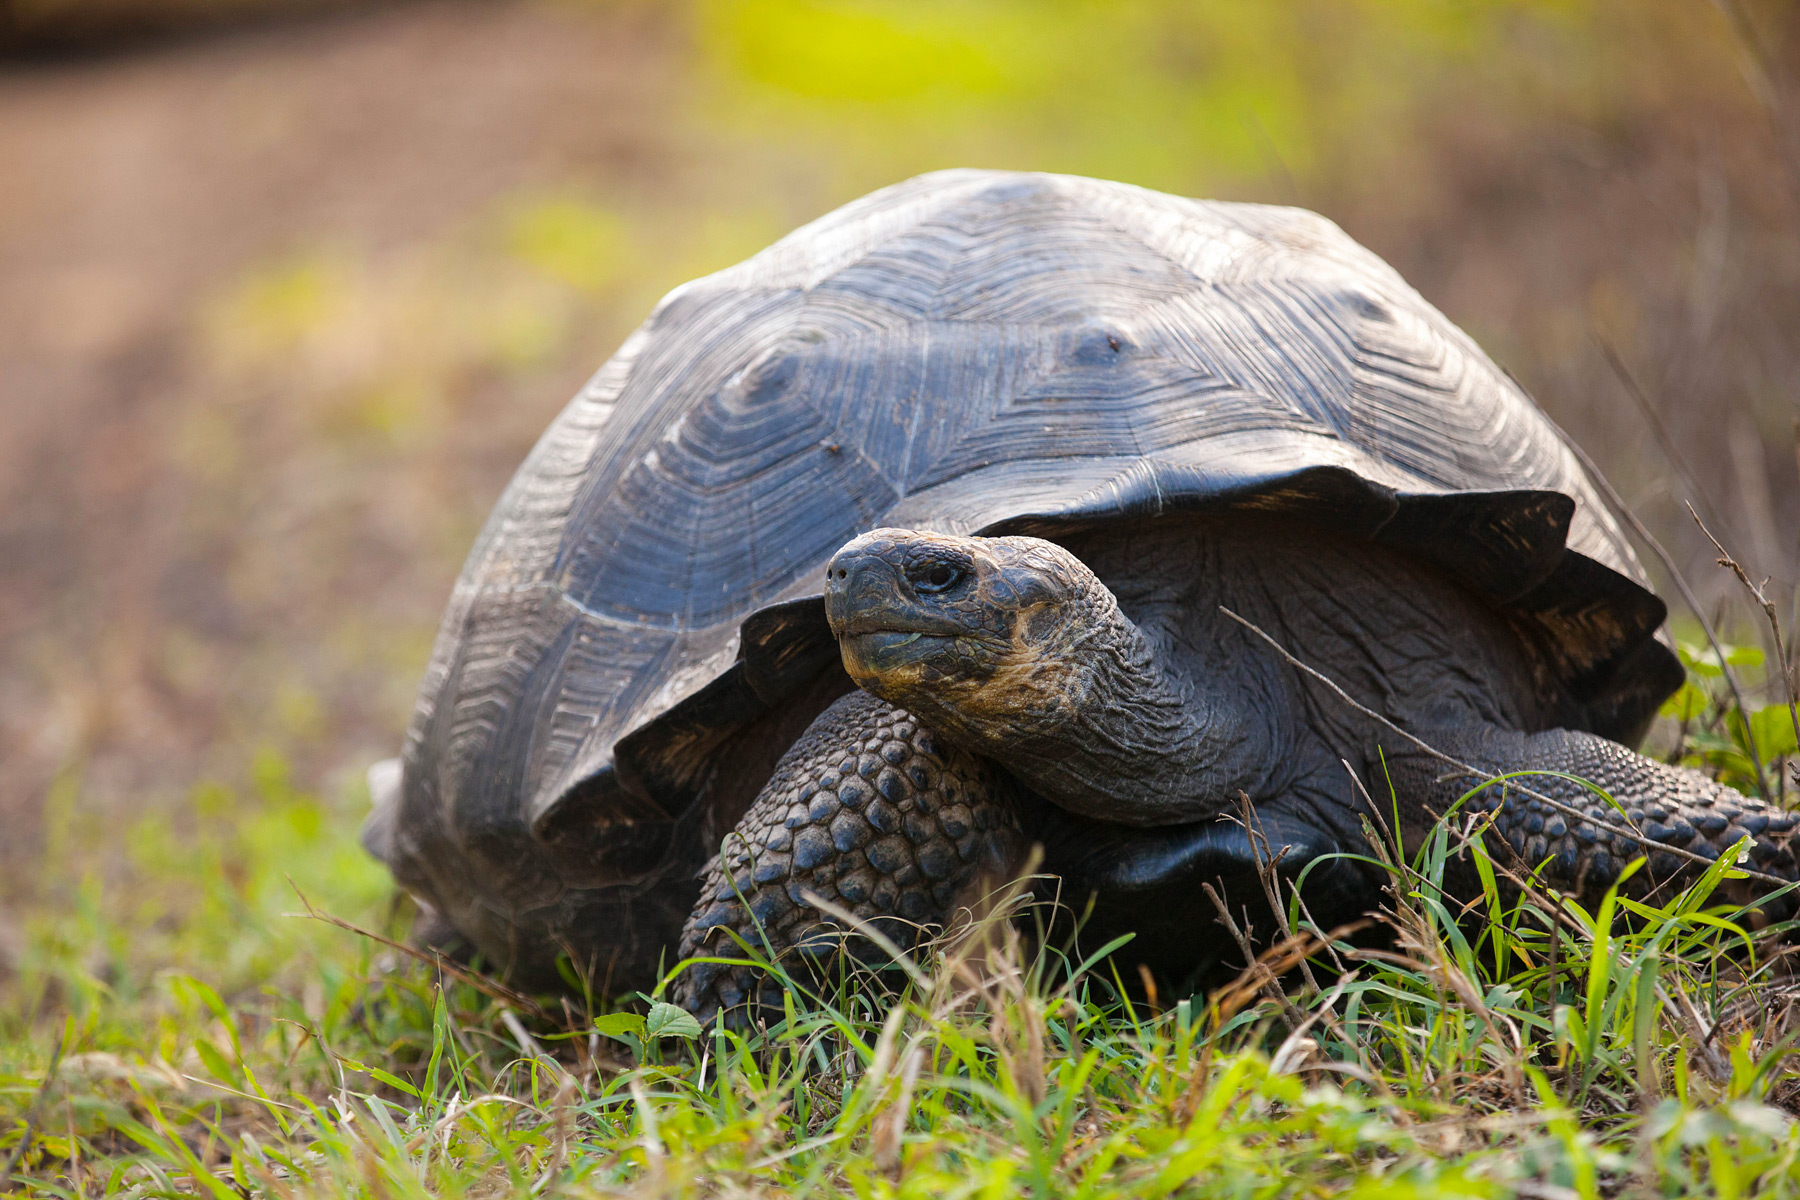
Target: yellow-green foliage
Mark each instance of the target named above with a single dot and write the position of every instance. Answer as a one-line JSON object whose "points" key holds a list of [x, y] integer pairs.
{"points": [[1181, 96]]}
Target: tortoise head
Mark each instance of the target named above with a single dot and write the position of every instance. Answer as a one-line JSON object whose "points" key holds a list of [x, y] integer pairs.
{"points": [[975, 635]]}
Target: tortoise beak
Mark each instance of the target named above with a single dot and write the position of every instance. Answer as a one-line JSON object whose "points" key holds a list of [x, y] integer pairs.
{"points": [[874, 612], [864, 593]]}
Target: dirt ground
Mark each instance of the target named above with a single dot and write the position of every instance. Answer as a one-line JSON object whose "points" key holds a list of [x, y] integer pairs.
{"points": [[263, 369], [133, 623]]}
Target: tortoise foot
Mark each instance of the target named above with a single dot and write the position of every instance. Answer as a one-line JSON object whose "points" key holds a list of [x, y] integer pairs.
{"points": [[867, 812], [1675, 818]]}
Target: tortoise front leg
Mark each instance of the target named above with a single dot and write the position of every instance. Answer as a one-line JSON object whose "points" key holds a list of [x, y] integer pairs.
{"points": [[1676, 818], [868, 811]]}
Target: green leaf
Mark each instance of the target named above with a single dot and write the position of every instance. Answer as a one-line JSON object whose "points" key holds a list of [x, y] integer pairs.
{"points": [[621, 1025], [1700, 658], [440, 1033], [1643, 1027], [215, 1061], [1773, 728], [208, 997], [668, 1020], [387, 1077], [1686, 704], [394, 1081]]}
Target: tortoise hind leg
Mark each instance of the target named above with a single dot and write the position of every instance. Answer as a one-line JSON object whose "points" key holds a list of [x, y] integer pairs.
{"points": [[1676, 818], [868, 811]]}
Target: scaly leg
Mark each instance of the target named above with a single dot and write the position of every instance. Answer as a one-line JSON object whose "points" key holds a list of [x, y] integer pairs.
{"points": [[1668, 810], [867, 810]]}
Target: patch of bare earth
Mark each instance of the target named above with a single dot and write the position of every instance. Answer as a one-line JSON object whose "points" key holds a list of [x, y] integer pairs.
{"points": [[179, 548]]}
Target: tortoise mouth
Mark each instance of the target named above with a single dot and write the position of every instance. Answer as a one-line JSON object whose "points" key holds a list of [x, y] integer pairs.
{"points": [[878, 650], [877, 623]]}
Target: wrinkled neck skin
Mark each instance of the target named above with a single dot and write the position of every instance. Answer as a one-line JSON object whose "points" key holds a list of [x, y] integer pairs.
{"points": [[1097, 722]]}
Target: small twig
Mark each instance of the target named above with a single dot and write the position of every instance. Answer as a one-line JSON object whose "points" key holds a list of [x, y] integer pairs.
{"points": [[37, 1101], [1268, 859], [1653, 417], [1768, 607], [1710, 1061], [1623, 512], [492, 988], [1271, 964], [1306, 914], [216, 1086], [1292, 1052], [1630, 833], [1254, 970]]}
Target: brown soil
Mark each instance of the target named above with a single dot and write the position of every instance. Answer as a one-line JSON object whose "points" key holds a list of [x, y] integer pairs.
{"points": [[136, 186]]}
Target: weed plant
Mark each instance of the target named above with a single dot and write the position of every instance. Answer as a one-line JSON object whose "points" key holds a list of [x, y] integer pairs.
{"points": [[1525, 1046]]}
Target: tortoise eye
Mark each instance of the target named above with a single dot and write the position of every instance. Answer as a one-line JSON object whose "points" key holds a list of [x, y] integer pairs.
{"points": [[935, 577]]}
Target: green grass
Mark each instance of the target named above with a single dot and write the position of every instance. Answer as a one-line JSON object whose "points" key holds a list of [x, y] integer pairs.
{"points": [[211, 1045]]}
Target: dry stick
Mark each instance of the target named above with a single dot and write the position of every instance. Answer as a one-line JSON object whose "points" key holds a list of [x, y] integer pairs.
{"points": [[1709, 1058], [1329, 946], [1768, 607], [493, 989], [1305, 912], [1794, 615], [1268, 860], [1617, 503], [1653, 417], [528, 1045], [1273, 963], [1656, 547], [1255, 970], [1628, 831]]}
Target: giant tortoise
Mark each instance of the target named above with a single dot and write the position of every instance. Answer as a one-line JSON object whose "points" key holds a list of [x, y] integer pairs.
{"points": [[996, 509]]}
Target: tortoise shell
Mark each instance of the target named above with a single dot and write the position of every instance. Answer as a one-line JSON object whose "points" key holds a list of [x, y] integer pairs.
{"points": [[637, 634]]}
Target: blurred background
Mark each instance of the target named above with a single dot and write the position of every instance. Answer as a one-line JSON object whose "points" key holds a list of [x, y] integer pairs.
{"points": [[288, 288]]}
